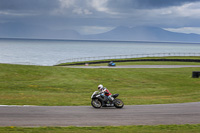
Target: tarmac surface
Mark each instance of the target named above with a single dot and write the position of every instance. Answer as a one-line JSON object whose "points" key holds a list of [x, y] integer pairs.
{"points": [[158, 114], [137, 66]]}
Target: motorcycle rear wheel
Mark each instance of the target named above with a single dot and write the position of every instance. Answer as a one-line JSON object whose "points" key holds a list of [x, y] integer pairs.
{"points": [[118, 103], [96, 103]]}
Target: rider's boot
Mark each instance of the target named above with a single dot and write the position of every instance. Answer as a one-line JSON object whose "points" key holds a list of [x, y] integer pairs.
{"points": [[111, 99]]}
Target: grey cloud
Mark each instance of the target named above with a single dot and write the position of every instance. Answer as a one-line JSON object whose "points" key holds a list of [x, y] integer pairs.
{"points": [[118, 5], [55, 15], [147, 4], [28, 5]]}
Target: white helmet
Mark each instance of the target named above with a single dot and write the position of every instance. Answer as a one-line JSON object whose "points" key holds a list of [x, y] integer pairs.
{"points": [[100, 86]]}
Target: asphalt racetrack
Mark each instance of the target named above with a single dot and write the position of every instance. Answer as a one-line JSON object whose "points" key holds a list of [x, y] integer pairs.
{"points": [[183, 113], [137, 66]]}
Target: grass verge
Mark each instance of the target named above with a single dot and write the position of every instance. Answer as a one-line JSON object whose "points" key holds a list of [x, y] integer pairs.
{"points": [[107, 129]]}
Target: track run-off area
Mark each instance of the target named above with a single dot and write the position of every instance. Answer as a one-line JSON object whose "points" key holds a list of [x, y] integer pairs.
{"points": [[157, 114]]}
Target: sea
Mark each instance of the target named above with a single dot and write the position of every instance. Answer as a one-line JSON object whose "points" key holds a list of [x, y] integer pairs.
{"points": [[47, 52]]}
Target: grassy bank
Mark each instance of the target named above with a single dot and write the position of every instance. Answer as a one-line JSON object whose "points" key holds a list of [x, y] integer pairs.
{"points": [[43, 85], [108, 129], [134, 62]]}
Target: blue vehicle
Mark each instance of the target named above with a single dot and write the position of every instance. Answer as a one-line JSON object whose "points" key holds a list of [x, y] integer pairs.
{"points": [[111, 63]]}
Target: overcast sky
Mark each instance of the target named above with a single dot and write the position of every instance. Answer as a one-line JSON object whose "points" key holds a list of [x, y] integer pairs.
{"points": [[96, 16]]}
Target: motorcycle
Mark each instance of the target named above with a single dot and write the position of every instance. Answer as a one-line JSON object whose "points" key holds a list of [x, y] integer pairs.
{"points": [[111, 64], [99, 101]]}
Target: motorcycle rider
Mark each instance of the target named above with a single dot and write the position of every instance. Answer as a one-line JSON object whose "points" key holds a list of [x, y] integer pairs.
{"points": [[105, 92]]}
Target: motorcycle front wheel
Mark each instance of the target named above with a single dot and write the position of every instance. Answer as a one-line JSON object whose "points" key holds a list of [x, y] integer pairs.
{"points": [[118, 103], [96, 103]]}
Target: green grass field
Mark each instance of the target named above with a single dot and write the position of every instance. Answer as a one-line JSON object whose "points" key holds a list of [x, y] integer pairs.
{"points": [[108, 129], [47, 85]]}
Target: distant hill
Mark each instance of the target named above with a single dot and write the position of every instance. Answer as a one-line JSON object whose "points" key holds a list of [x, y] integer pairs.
{"points": [[121, 33], [144, 34]]}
